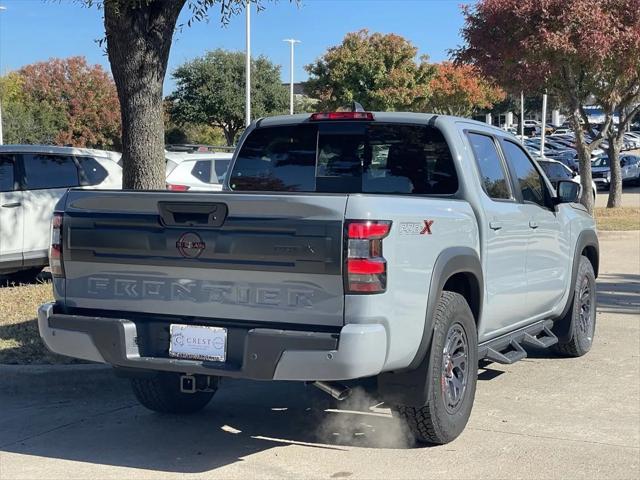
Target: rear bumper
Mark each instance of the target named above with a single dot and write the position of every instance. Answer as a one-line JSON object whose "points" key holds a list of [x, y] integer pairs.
{"points": [[358, 350]]}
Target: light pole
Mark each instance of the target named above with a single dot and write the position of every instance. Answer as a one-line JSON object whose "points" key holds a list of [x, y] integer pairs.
{"points": [[522, 115], [544, 122], [1, 138], [247, 87], [291, 42]]}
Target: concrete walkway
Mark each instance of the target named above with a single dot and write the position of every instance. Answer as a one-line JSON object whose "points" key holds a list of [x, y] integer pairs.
{"points": [[543, 417]]}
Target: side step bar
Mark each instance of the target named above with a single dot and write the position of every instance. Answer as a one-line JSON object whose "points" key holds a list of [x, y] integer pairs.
{"points": [[508, 349]]}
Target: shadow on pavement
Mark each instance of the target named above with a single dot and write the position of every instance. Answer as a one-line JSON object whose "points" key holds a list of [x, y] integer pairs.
{"points": [[619, 293], [108, 426]]}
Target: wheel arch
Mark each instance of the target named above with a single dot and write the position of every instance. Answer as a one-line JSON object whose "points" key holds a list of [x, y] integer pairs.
{"points": [[586, 246], [458, 269]]}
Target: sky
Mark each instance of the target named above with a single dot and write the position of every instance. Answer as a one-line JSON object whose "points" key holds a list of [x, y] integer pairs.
{"points": [[36, 30]]}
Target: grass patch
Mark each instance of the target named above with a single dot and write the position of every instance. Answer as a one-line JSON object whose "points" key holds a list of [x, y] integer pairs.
{"points": [[623, 218], [20, 341]]}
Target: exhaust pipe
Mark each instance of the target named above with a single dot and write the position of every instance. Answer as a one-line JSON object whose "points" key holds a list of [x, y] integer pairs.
{"points": [[336, 390]]}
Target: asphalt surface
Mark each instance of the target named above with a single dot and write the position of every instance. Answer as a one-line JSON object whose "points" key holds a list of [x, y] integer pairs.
{"points": [[543, 417], [630, 197]]}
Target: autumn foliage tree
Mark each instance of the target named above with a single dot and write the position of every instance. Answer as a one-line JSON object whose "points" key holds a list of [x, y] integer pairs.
{"points": [[379, 71], [461, 89], [83, 96], [576, 49]]}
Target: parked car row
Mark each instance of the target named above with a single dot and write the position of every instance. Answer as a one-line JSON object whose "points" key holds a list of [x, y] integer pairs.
{"points": [[629, 170], [32, 180]]}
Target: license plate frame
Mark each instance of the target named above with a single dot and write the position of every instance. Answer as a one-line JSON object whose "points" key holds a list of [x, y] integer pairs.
{"points": [[198, 342]]}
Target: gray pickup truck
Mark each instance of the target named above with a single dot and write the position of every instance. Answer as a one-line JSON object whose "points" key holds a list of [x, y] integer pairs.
{"points": [[405, 247]]}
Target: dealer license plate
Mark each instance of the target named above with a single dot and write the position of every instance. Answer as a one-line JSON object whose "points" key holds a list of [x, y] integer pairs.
{"points": [[198, 342]]}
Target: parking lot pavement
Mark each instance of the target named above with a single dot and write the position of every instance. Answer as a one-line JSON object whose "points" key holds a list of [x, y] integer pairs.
{"points": [[630, 197], [543, 417]]}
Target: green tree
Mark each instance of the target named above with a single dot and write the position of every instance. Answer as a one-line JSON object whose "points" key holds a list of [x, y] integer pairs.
{"points": [[138, 35], [379, 71], [23, 120], [210, 91]]}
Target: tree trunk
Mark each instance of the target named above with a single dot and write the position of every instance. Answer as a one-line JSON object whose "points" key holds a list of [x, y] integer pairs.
{"points": [[229, 135], [138, 43], [615, 188], [584, 161]]}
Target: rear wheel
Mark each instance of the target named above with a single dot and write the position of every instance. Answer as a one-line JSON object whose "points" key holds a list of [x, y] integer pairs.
{"points": [[452, 374], [162, 393], [580, 320]]}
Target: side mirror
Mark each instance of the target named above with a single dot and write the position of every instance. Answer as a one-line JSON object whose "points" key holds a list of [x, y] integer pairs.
{"points": [[568, 191]]}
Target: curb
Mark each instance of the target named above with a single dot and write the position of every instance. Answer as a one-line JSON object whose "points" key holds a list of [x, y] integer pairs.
{"points": [[47, 378], [618, 234]]}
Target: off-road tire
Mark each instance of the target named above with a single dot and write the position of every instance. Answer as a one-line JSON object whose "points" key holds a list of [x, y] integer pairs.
{"points": [[162, 394], [433, 423], [580, 338]]}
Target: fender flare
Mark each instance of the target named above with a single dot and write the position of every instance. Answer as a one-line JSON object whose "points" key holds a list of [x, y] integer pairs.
{"points": [[409, 386], [586, 238]]}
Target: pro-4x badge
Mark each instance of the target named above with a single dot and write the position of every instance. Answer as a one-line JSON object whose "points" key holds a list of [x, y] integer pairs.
{"points": [[416, 228], [427, 227]]}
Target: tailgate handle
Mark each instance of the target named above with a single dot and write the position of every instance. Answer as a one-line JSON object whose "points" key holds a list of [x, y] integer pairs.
{"points": [[192, 214]]}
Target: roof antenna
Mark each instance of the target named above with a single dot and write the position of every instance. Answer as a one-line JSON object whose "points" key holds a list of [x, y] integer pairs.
{"points": [[356, 107]]}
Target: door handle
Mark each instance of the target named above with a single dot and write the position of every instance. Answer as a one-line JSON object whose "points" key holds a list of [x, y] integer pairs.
{"points": [[495, 225], [533, 224], [11, 205]]}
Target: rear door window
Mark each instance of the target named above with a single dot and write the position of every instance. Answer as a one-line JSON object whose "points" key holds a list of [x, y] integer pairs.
{"points": [[49, 171], [7, 176], [345, 157], [494, 177]]}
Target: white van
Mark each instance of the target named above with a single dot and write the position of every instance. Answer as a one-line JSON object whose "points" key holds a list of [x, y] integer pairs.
{"points": [[32, 180]]}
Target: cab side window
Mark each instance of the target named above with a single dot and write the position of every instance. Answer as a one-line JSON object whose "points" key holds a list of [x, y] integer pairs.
{"points": [[493, 175], [7, 177], [529, 180]]}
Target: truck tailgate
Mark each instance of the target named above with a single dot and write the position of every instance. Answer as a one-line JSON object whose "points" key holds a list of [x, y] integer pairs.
{"points": [[248, 257]]}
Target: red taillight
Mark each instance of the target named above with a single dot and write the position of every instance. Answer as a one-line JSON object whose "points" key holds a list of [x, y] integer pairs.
{"points": [[366, 268], [177, 188], [369, 230], [341, 116], [55, 250]]}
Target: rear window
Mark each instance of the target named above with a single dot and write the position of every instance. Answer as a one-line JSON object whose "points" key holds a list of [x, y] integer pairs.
{"points": [[555, 170], [202, 170], [358, 157], [92, 171]]}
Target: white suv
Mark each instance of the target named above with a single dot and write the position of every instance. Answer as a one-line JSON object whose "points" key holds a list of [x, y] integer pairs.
{"points": [[32, 180], [196, 171]]}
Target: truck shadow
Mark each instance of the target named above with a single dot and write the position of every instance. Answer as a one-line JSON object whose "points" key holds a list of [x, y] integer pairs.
{"points": [[106, 426], [619, 293]]}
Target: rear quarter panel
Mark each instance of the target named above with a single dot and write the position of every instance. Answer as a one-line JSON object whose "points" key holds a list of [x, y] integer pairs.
{"points": [[410, 258]]}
